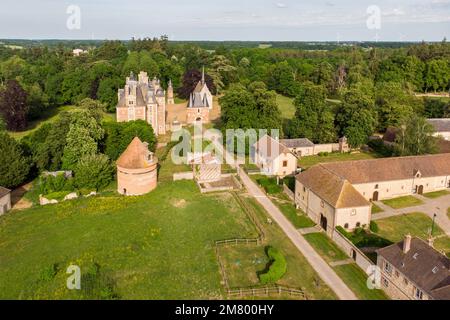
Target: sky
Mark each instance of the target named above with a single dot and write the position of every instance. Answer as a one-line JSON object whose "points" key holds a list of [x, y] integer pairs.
{"points": [[256, 20]]}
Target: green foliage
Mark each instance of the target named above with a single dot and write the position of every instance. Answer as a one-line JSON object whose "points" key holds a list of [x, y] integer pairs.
{"points": [[51, 184], [362, 239], [415, 137], [58, 196], [119, 136], [374, 227], [14, 165], [277, 268], [48, 273], [93, 172], [270, 185], [13, 106]]}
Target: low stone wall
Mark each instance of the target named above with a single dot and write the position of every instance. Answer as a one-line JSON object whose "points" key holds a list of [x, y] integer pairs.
{"points": [[330, 147], [353, 252], [189, 175]]}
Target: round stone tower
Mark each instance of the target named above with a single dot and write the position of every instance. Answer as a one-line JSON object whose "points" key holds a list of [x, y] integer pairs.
{"points": [[137, 170]]}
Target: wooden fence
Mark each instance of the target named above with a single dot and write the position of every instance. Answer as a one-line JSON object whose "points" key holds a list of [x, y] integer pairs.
{"points": [[266, 291]]}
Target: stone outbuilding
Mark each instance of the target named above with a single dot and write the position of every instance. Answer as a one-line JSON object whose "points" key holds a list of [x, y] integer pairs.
{"points": [[5, 200], [137, 172]]}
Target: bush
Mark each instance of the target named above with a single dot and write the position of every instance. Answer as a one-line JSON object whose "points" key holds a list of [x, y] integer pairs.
{"points": [[277, 268], [374, 227], [94, 172], [58, 196], [270, 185], [53, 184], [323, 154], [14, 166]]}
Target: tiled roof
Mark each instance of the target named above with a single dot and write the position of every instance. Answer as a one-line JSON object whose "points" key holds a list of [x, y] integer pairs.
{"points": [[136, 156], [389, 169], [4, 192], [423, 265], [297, 143], [270, 147], [440, 125], [336, 191]]}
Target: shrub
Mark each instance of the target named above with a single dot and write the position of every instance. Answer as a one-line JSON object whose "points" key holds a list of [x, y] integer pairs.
{"points": [[277, 268], [58, 196], [374, 227], [14, 166], [270, 185], [94, 172], [58, 183]]}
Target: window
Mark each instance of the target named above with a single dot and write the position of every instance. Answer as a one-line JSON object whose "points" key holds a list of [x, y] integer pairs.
{"points": [[346, 226], [397, 274], [285, 163], [418, 294], [385, 282], [376, 187], [353, 212], [388, 268], [358, 224], [405, 281], [304, 189]]}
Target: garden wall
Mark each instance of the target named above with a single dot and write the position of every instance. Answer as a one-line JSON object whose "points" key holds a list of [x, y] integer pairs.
{"points": [[353, 252], [289, 192]]}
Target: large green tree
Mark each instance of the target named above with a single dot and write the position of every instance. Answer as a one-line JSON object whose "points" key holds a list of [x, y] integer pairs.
{"points": [[415, 137], [13, 106], [14, 165]]}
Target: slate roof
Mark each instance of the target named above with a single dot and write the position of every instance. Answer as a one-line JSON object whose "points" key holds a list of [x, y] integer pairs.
{"points": [[440, 125], [336, 191], [389, 169], [4, 192], [423, 265], [297, 143], [136, 156]]}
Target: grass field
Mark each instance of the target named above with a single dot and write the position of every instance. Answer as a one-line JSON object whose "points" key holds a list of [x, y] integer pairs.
{"points": [[243, 262], [376, 209], [351, 274], [307, 162], [417, 224], [50, 116], [286, 106], [159, 246], [436, 194], [403, 202]]}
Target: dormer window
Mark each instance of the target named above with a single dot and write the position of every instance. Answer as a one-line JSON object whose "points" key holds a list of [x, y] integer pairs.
{"points": [[376, 187], [415, 256]]}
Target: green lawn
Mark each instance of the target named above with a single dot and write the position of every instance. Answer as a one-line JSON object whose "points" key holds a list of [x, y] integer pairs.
{"points": [[376, 209], [351, 274], [437, 194], [243, 262], [159, 246], [286, 106], [417, 224], [403, 202], [307, 162], [325, 247], [356, 279], [50, 116]]}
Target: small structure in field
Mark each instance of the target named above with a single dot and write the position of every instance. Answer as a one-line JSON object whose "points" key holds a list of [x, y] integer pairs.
{"points": [[5, 200], [137, 169]]}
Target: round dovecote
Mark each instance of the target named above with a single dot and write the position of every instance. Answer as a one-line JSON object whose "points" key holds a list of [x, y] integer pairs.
{"points": [[137, 170]]}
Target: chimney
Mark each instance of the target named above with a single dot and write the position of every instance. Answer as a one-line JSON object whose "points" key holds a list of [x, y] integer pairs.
{"points": [[407, 244]]}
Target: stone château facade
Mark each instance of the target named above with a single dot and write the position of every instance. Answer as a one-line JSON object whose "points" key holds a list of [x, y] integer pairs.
{"points": [[200, 103], [142, 99]]}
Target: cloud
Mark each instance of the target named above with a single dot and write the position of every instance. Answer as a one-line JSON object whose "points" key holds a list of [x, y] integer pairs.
{"points": [[281, 5]]}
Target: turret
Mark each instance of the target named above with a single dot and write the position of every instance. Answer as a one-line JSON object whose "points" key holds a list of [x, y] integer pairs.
{"points": [[170, 97]]}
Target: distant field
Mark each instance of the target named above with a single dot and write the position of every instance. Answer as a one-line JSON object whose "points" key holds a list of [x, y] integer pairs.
{"points": [[307, 162], [51, 116], [286, 106]]}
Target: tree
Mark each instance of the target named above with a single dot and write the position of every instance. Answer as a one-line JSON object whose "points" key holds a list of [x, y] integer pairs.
{"points": [[93, 171], [190, 80], [220, 71], [13, 106], [120, 134], [360, 127], [313, 118], [14, 166], [282, 80], [437, 74], [416, 137]]}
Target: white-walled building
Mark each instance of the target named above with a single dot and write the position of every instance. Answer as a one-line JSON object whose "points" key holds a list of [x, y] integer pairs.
{"points": [[341, 188], [5, 200], [441, 127]]}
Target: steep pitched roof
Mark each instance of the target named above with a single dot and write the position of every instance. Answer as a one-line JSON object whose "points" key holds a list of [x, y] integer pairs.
{"points": [[389, 169], [297, 143], [136, 156], [440, 125], [423, 265], [336, 191], [4, 192], [270, 147]]}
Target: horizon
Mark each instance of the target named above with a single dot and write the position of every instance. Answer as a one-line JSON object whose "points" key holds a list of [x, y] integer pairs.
{"points": [[267, 20]]}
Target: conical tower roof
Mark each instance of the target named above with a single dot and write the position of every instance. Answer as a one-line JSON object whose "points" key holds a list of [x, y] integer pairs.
{"points": [[136, 156]]}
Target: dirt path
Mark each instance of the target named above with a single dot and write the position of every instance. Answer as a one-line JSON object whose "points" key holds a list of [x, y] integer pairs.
{"points": [[18, 202]]}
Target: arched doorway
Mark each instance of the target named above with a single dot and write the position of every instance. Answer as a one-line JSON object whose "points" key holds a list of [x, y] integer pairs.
{"points": [[323, 222], [198, 119], [420, 190], [376, 196]]}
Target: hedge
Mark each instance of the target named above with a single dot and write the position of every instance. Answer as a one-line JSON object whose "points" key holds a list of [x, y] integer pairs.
{"points": [[277, 268]]}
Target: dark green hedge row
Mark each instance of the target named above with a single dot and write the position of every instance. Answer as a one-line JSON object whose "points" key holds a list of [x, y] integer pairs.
{"points": [[277, 267]]}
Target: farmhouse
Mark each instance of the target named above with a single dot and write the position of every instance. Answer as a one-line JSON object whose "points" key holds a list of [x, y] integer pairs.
{"points": [[339, 193], [5, 200], [413, 270], [143, 99], [441, 127], [137, 169], [273, 158], [200, 103]]}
